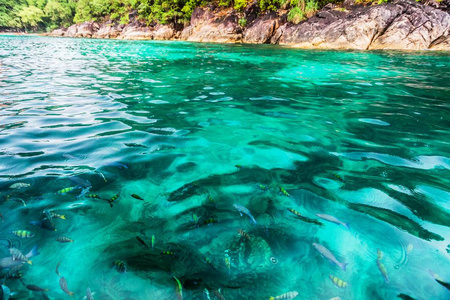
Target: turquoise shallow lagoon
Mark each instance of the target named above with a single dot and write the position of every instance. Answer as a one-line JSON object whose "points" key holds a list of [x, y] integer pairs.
{"points": [[194, 129]]}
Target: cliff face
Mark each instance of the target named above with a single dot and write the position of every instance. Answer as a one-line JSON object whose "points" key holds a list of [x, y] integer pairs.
{"points": [[403, 24]]}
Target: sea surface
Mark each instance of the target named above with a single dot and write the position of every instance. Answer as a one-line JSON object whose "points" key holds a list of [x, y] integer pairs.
{"points": [[234, 151]]}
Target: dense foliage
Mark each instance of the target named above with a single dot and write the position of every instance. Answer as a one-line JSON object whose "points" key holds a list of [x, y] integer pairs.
{"points": [[49, 14]]}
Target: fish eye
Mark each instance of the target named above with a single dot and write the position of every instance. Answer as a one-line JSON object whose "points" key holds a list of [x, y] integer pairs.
{"points": [[273, 260]]}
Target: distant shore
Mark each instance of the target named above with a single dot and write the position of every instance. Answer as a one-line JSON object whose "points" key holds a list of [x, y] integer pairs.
{"points": [[398, 25]]}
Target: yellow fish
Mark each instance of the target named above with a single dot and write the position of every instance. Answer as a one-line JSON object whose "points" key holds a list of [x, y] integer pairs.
{"points": [[381, 266], [409, 248], [228, 262], [58, 216], [23, 233], [288, 295], [66, 190], [284, 192], [338, 282], [178, 288]]}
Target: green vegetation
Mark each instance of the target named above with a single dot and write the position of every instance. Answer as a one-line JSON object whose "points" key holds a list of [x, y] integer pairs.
{"points": [[40, 15], [242, 22]]}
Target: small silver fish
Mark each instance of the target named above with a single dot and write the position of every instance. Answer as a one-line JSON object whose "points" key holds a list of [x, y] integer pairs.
{"points": [[328, 255], [19, 185], [333, 220], [243, 210]]}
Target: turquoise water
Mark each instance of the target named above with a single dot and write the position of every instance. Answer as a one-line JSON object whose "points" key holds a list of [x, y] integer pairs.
{"points": [[194, 129]]}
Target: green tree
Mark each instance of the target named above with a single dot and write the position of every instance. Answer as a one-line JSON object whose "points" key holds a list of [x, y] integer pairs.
{"points": [[31, 16], [59, 13]]}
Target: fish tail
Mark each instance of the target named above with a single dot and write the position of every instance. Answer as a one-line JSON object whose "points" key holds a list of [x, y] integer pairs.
{"points": [[271, 298], [110, 203], [343, 266], [63, 217], [29, 262], [70, 293], [33, 252], [346, 225]]}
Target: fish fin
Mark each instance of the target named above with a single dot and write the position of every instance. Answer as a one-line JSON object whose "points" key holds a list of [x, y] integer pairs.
{"points": [[343, 266], [33, 252], [110, 204], [346, 225]]}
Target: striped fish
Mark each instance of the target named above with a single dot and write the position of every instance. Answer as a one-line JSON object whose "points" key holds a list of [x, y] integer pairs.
{"points": [[295, 212], [23, 233], [284, 192], [113, 198], [120, 266], [338, 282], [63, 239], [66, 190], [168, 253], [288, 295], [243, 234], [18, 256]]}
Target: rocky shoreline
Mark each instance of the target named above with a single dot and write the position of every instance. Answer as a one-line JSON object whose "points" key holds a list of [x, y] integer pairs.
{"points": [[400, 25]]}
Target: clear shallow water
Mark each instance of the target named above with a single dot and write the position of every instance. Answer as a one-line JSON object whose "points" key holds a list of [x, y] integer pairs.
{"points": [[360, 136]]}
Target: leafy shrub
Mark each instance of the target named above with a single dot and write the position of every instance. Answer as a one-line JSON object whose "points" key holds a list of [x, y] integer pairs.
{"points": [[296, 15], [240, 4], [242, 22]]}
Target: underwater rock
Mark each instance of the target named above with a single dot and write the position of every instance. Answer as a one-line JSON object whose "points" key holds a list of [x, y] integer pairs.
{"points": [[251, 255]]}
